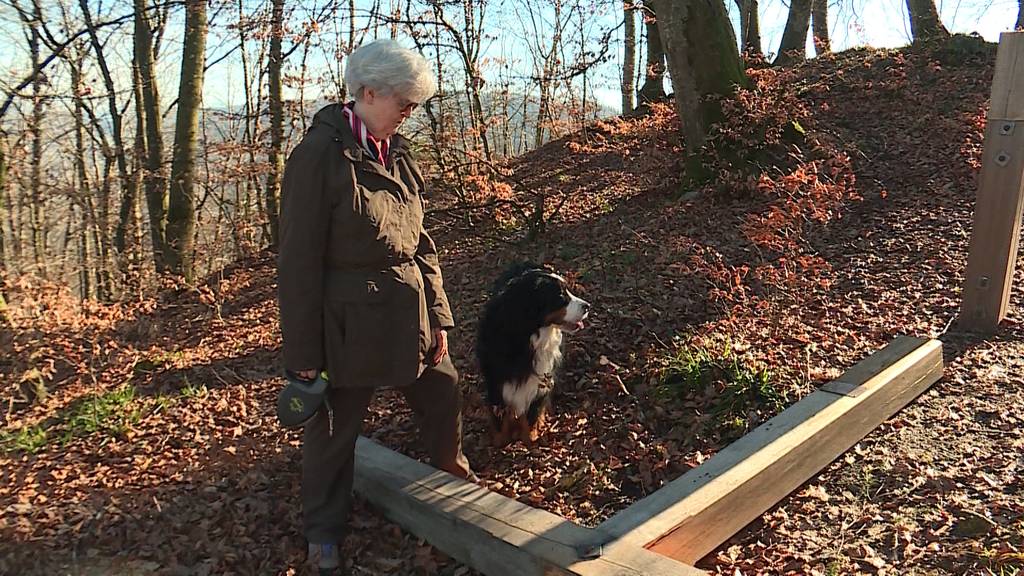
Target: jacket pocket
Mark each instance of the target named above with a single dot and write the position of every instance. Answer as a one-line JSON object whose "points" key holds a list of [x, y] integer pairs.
{"points": [[375, 323]]}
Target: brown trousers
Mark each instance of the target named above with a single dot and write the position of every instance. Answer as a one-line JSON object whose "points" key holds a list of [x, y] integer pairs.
{"points": [[327, 460]]}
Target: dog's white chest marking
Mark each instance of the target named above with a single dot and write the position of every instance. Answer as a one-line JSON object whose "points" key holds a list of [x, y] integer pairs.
{"points": [[547, 353]]}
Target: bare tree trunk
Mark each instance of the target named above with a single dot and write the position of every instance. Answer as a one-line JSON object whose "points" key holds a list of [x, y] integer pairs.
{"points": [[101, 236], [628, 56], [82, 252], [275, 156], [156, 184], [468, 42], [793, 47], [3, 205], [654, 75], [132, 280], [36, 218], [4, 317], [547, 72], [128, 189], [924, 21], [81, 178], [244, 199], [15, 218], [750, 27], [819, 27], [505, 95], [703, 62], [434, 108], [351, 34], [473, 30], [93, 272], [181, 216]]}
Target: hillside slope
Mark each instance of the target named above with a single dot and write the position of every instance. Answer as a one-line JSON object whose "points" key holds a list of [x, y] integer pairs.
{"points": [[842, 221]]}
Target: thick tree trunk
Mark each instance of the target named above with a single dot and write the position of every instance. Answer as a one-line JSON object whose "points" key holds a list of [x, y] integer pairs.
{"points": [[156, 182], [750, 27], [793, 46], [628, 55], [276, 157], [819, 27], [181, 215], [924, 21], [654, 70], [139, 152], [703, 63]]}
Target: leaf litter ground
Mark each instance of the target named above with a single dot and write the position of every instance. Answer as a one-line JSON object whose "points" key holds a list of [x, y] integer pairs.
{"points": [[155, 450]]}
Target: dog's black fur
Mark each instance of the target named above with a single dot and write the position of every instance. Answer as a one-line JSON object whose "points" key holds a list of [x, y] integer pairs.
{"points": [[525, 299]]}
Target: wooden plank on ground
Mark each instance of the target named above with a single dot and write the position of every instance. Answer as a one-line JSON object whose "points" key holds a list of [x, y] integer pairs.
{"points": [[487, 531], [697, 512], [997, 214]]}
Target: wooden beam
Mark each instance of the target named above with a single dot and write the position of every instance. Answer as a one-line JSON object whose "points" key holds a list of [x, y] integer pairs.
{"points": [[696, 513], [997, 213], [487, 531]]}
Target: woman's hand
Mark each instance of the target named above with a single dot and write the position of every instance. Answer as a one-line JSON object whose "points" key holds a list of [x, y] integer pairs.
{"points": [[440, 345]]}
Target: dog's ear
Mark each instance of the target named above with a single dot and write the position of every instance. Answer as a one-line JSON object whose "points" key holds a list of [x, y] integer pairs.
{"points": [[515, 270], [527, 265]]}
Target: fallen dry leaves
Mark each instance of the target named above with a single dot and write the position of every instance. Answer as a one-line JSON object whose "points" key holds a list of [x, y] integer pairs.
{"points": [[841, 238]]}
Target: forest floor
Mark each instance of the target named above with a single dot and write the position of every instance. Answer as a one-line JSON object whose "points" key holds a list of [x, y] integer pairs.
{"points": [[156, 450]]}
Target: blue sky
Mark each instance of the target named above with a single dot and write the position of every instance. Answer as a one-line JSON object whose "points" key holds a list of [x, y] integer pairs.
{"points": [[880, 23]]}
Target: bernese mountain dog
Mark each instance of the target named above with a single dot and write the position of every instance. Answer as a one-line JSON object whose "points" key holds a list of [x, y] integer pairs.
{"points": [[519, 345]]}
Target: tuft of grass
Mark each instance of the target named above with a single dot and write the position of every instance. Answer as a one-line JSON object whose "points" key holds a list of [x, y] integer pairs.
{"points": [[110, 414], [194, 392], [836, 567], [158, 361], [602, 205], [738, 394], [29, 439]]}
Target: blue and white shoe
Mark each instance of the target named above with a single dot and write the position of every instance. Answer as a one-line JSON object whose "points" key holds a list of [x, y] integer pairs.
{"points": [[324, 557]]}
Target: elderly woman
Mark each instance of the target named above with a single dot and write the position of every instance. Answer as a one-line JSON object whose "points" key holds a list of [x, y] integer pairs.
{"points": [[360, 289]]}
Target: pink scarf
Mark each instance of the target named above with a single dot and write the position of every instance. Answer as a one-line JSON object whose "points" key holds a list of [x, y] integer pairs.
{"points": [[378, 149]]}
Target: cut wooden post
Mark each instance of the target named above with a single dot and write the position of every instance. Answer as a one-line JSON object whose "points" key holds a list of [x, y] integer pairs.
{"points": [[997, 213], [487, 531], [696, 513]]}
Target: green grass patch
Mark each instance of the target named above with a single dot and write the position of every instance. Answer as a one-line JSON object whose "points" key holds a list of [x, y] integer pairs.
{"points": [[112, 413], [29, 439], [193, 392], [737, 394], [109, 414]]}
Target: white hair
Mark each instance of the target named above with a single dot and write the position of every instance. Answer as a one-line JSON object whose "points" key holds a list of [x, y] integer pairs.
{"points": [[385, 66]]}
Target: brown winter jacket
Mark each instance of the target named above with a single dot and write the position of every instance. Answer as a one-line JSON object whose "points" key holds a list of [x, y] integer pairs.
{"points": [[359, 285]]}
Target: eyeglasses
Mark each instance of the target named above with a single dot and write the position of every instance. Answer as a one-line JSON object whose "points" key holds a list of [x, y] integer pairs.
{"points": [[406, 106]]}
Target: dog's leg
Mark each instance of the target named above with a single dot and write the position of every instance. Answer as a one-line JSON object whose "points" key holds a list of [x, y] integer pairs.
{"points": [[523, 430], [501, 428], [538, 424], [537, 416]]}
